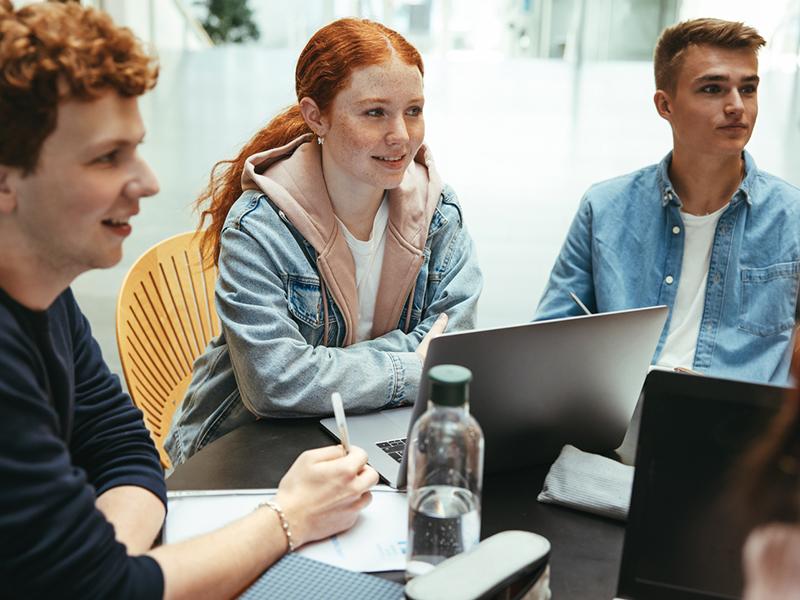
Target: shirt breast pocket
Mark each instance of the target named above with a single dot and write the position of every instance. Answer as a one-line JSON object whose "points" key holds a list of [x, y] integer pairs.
{"points": [[768, 298], [305, 305]]}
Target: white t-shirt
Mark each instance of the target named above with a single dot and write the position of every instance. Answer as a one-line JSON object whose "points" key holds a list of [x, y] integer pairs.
{"points": [[687, 312], [368, 256]]}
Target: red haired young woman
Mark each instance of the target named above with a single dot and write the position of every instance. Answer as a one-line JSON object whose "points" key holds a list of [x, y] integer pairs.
{"points": [[340, 251]]}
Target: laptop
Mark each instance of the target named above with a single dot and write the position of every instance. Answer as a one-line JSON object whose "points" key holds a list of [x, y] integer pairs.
{"points": [[689, 516], [535, 387]]}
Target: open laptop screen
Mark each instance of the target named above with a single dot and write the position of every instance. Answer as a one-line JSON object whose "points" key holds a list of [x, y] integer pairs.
{"points": [[689, 516]]}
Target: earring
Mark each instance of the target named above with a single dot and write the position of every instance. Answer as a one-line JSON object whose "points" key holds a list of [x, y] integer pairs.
{"points": [[320, 140]]}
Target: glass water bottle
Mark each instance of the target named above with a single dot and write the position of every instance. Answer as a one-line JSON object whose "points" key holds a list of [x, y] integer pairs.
{"points": [[445, 473]]}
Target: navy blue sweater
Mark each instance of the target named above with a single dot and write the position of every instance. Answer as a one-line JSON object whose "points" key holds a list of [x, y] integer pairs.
{"points": [[68, 433]]}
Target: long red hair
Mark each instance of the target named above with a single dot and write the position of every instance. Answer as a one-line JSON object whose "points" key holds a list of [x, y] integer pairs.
{"points": [[323, 69]]}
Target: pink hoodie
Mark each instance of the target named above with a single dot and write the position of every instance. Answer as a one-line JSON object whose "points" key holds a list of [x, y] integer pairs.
{"points": [[291, 176]]}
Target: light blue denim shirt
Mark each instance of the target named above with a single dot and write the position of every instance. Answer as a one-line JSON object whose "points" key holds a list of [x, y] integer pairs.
{"points": [[270, 360], [624, 250]]}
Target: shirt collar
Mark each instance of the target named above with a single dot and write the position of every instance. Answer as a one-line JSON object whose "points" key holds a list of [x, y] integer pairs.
{"points": [[745, 191]]}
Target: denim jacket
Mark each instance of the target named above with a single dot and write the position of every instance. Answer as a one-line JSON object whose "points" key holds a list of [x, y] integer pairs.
{"points": [[624, 250], [286, 340]]}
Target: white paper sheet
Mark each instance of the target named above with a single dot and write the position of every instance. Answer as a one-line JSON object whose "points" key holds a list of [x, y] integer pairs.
{"points": [[377, 542]]}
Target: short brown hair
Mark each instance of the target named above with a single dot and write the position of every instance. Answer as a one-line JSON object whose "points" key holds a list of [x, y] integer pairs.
{"points": [[675, 40], [50, 52]]}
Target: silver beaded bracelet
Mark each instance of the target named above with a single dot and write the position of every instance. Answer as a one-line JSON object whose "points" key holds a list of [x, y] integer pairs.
{"points": [[284, 521]]}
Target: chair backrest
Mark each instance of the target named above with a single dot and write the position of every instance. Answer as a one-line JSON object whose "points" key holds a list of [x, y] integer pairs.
{"points": [[165, 319]]}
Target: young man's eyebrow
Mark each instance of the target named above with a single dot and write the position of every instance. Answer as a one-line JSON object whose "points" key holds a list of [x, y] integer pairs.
{"points": [[710, 77], [118, 142], [110, 144]]}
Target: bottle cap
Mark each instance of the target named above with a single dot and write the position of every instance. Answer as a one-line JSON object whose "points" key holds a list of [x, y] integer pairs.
{"points": [[448, 385]]}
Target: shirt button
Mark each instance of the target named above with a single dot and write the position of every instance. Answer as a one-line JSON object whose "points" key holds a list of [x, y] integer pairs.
{"points": [[669, 279], [676, 230], [717, 277]]}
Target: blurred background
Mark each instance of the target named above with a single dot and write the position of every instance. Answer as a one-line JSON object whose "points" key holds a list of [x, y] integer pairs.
{"points": [[527, 103]]}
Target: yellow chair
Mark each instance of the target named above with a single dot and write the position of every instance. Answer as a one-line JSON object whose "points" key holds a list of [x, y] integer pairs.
{"points": [[165, 319]]}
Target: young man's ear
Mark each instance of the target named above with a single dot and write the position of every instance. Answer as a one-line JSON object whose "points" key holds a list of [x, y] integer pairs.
{"points": [[663, 104], [313, 117], [8, 195]]}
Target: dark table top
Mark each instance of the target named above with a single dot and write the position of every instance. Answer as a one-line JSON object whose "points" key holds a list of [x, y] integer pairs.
{"points": [[586, 549]]}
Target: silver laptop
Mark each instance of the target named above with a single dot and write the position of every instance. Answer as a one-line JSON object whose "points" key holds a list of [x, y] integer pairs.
{"points": [[535, 387]]}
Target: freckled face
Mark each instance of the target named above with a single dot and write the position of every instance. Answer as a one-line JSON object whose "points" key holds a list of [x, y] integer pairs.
{"points": [[375, 126], [715, 104]]}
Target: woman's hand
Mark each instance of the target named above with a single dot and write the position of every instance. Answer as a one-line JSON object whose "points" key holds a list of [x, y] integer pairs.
{"points": [[436, 330], [324, 490], [772, 563]]}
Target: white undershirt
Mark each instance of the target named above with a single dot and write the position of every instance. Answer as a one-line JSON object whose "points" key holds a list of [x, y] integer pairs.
{"points": [[368, 257], [687, 312]]}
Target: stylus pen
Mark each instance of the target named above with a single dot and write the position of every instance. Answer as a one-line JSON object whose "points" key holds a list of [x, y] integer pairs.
{"points": [[577, 300], [686, 370], [341, 422]]}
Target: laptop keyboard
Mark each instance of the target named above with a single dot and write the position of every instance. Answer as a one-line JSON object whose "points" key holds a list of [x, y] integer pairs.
{"points": [[393, 448]]}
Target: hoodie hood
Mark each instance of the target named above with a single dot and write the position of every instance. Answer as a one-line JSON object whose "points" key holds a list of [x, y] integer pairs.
{"points": [[291, 176]]}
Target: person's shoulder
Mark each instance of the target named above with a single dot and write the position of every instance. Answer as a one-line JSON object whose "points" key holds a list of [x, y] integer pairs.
{"points": [[624, 186], [249, 202], [449, 205], [448, 209], [18, 325], [770, 186], [20, 364], [256, 223]]}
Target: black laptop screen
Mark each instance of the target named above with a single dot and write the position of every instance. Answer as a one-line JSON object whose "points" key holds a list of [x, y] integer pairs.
{"points": [[689, 516]]}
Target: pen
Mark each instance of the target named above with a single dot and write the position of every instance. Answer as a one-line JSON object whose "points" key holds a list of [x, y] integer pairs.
{"points": [[686, 370], [341, 423], [577, 300]]}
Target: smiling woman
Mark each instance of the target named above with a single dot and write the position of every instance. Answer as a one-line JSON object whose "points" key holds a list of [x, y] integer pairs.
{"points": [[340, 251]]}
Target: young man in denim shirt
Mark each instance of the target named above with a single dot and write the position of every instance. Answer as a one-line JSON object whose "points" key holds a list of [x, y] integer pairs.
{"points": [[704, 231]]}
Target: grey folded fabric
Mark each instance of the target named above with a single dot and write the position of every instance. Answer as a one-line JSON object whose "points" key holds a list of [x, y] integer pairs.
{"points": [[589, 482]]}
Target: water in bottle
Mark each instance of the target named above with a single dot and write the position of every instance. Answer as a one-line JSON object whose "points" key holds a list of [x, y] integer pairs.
{"points": [[445, 471], [444, 521]]}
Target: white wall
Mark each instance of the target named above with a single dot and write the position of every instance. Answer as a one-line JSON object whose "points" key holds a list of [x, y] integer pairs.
{"points": [[159, 22]]}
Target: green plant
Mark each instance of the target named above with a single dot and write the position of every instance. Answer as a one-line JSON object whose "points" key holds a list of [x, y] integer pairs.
{"points": [[229, 21]]}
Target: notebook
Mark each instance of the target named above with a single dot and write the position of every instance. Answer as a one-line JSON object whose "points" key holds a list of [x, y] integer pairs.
{"points": [[688, 515], [376, 542], [296, 577], [535, 387]]}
